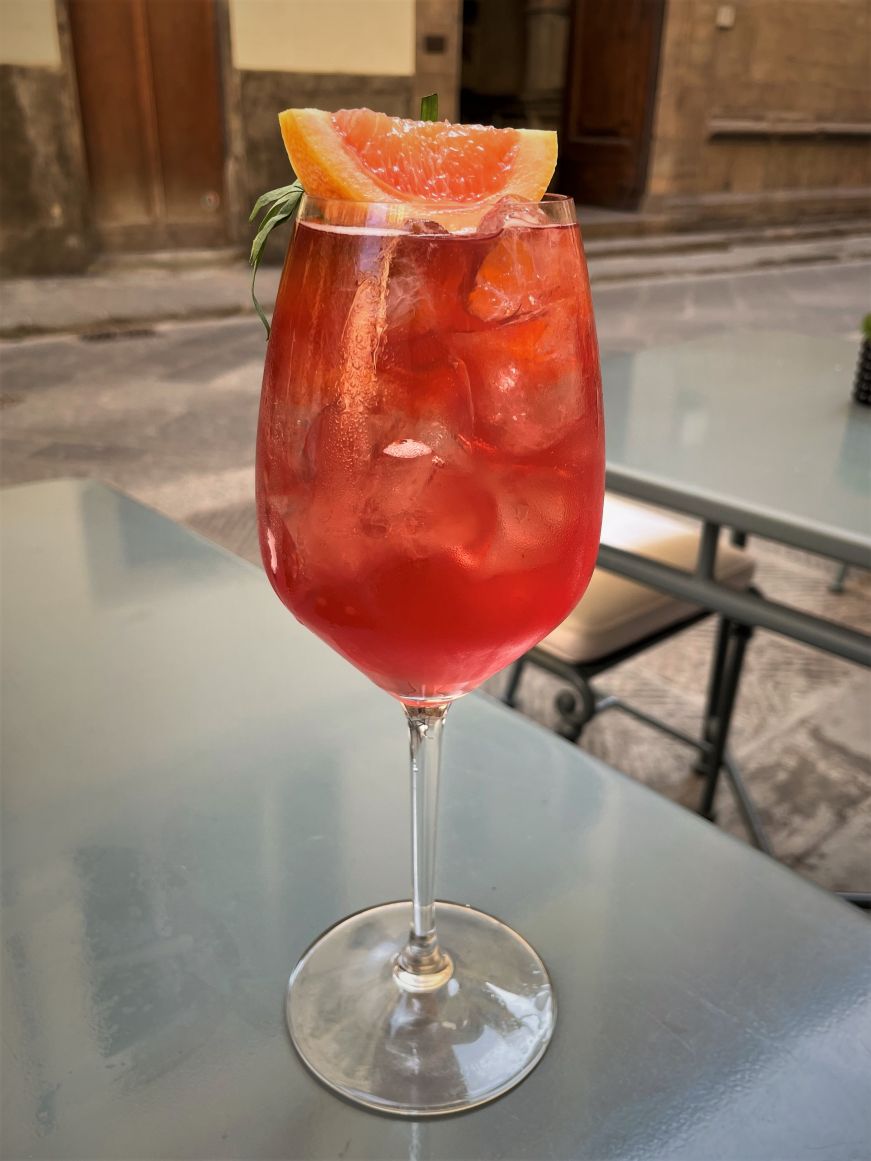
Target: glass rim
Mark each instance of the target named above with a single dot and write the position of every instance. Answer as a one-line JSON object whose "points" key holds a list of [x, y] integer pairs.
{"points": [[456, 217]]}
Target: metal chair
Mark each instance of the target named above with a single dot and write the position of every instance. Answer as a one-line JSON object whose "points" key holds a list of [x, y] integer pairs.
{"points": [[618, 619]]}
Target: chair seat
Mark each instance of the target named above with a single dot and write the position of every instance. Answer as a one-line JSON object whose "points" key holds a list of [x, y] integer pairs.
{"points": [[616, 612]]}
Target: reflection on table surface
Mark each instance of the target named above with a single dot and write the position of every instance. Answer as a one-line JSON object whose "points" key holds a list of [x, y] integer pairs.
{"points": [[195, 787], [760, 420]]}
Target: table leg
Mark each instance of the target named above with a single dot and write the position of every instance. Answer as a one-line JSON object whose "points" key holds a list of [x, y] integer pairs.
{"points": [[837, 585], [737, 636], [510, 695], [715, 682]]}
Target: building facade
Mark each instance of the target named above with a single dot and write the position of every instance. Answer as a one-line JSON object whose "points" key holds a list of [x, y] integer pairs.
{"points": [[689, 111], [763, 111], [131, 125], [136, 125]]}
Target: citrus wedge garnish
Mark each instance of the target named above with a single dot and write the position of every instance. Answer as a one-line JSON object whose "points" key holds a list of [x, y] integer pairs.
{"points": [[359, 155]]}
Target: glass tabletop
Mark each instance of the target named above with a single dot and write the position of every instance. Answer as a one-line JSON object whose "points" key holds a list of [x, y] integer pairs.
{"points": [[752, 429], [190, 797]]}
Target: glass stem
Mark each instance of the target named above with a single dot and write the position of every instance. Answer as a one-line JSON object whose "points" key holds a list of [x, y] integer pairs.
{"points": [[422, 964]]}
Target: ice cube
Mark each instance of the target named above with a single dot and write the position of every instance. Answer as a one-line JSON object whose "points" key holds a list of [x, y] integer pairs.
{"points": [[429, 278], [456, 516], [507, 282], [342, 441], [364, 326], [527, 265], [525, 379], [425, 226], [328, 543], [341, 448], [536, 508], [424, 382], [408, 449], [392, 489], [278, 548], [528, 214], [494, 220], [418, 504]]}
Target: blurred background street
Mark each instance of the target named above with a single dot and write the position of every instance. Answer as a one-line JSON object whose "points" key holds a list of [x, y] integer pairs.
{"points": [[167, 412], [720, 157]]}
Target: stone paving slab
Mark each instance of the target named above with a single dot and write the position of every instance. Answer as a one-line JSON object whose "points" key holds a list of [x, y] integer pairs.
{"points": [[129, 297]]}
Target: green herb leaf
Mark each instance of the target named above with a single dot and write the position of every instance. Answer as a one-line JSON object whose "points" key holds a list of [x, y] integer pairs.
{"points": [[260, 312], [279, 213], [272, 195], [429, 107], [283, 204]]}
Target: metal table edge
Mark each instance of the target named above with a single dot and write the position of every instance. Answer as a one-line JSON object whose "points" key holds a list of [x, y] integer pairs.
{"points": [[807, 536]]}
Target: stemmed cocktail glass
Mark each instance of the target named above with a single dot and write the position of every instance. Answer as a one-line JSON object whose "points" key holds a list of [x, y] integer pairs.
{"points": [[429, 488]]}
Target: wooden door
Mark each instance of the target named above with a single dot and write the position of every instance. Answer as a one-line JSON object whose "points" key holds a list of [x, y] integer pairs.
{"points": [[149, 90], [610, 92]]}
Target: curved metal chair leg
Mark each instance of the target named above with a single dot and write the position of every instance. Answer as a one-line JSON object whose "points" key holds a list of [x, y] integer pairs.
{"points": [[576, 707], [860, 899], [510, 695]]}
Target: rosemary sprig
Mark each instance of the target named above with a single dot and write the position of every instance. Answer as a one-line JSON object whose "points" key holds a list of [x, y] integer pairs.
{"points": [[279, 205]]}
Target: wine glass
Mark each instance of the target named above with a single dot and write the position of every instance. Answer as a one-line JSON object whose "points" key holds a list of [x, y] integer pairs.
{"points": [[430, 471]]}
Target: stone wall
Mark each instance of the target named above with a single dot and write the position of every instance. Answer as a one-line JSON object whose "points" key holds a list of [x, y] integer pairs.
{"points": [[331, 54], [273, 54], [389, 55], [264, 94], [438, 28], [763, 109], [43, 184]]}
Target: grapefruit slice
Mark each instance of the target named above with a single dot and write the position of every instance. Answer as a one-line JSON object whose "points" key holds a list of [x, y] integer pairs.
{"points": [[359, 155]]}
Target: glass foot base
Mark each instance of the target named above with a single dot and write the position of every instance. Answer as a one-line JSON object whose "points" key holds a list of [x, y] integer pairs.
{"points": [[420, 1053]]}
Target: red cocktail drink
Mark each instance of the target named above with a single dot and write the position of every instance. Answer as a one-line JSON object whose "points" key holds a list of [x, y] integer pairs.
{"points": [[430, 455]]}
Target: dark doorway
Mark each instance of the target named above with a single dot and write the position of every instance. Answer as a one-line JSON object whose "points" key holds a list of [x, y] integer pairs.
{"points": [[609, 100], [494, 63], [149, 89]]}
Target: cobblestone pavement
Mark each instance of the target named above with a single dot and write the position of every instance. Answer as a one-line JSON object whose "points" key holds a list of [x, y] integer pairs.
{"points": [[167, 413]]}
